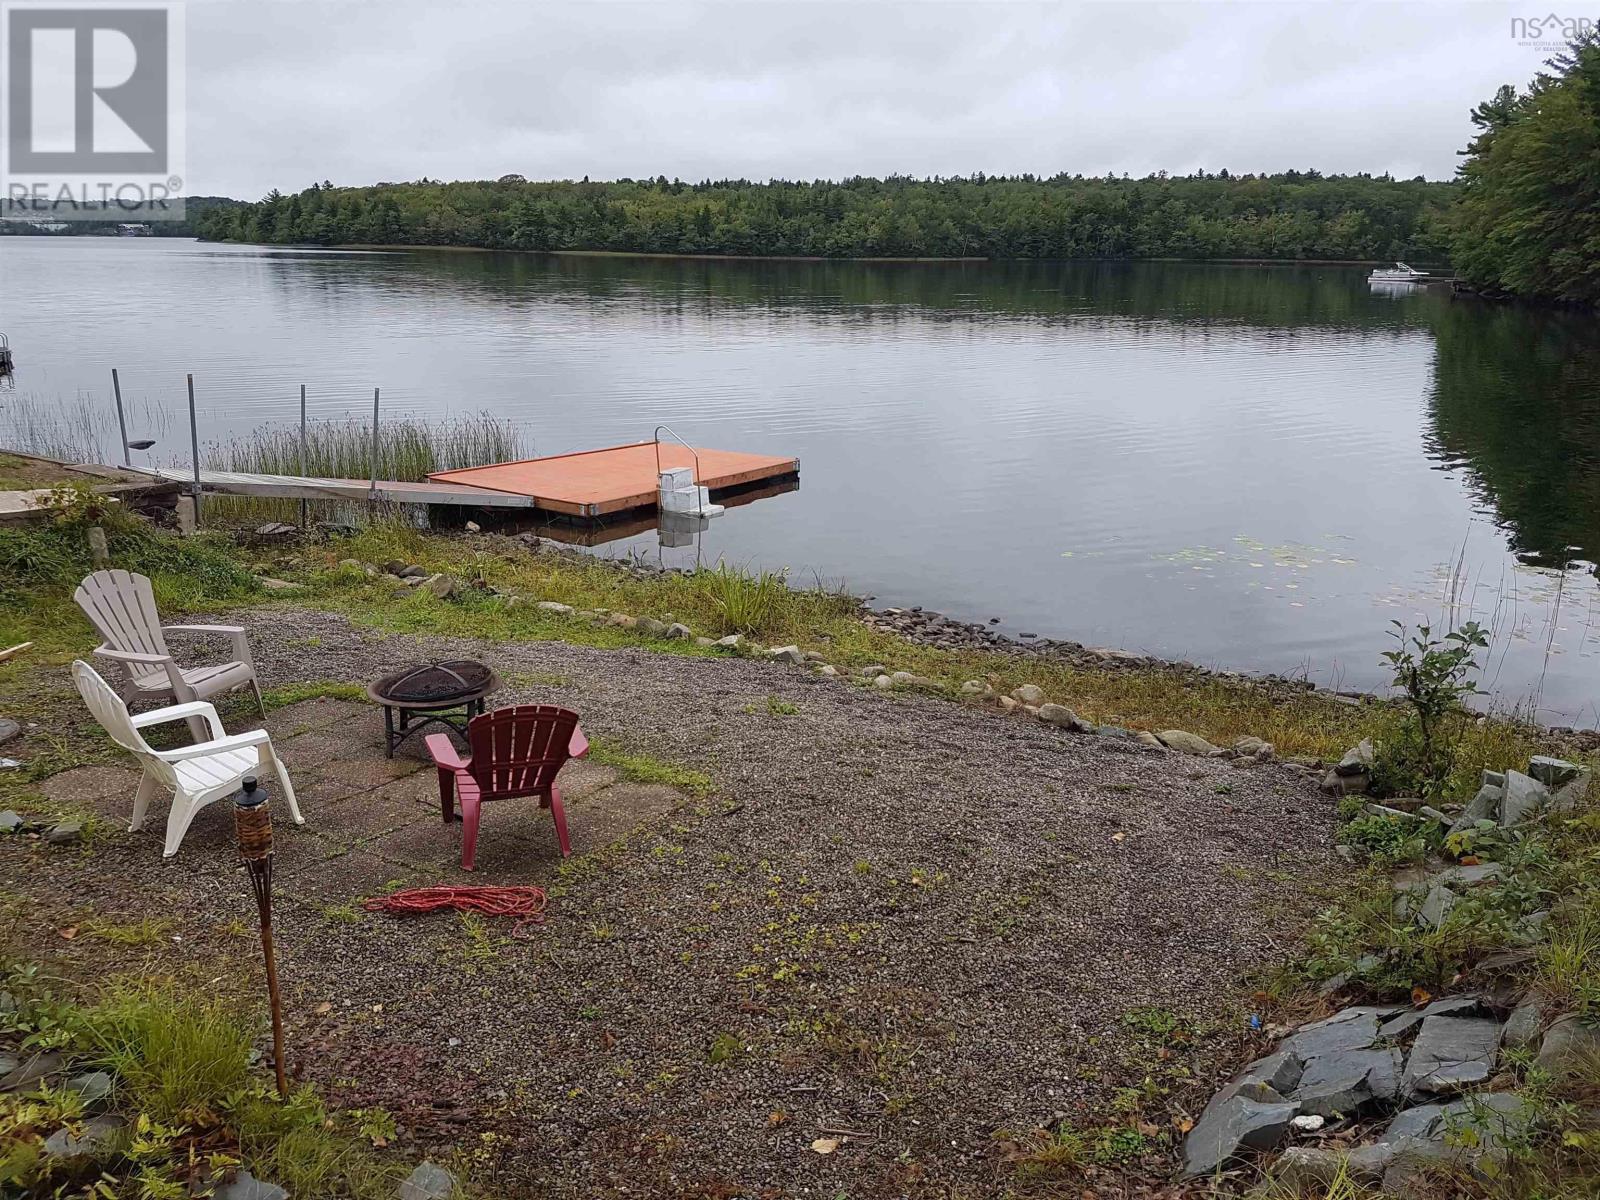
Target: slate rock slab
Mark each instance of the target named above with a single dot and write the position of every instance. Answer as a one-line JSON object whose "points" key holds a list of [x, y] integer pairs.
{"points": [[1353, 1028], [65, 833], [1568, 1045], [428, 1182], [1467, 1133], [1281, 1072], [1357, 760], [1523, 1025], [1525, 798], [1231, 1126], [1452, 1053], [1345, 1081], [1436, 905], [246, 1186], [92, 1087], [30, 1070], [1485, 806], [94, 1137], [1570, 795], [1554, 773], [1307, 1167], [1398, 1027]]}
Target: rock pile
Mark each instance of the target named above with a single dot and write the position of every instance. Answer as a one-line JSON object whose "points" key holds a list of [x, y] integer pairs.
{"points": [[1429, 1075], [1419, 1068], [1504, 800], [1352, 774], [61, 831]]}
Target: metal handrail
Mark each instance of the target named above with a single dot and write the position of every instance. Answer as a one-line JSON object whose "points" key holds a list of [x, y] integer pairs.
{"points": [[695, 453]]}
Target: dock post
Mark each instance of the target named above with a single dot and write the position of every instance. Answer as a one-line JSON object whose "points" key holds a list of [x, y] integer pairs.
{"points": [[374, 493], [122, 421], [194, 446], [304, 504]]}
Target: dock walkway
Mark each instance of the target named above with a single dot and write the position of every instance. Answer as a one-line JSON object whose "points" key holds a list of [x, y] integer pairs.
{"points": [[308, 487]]}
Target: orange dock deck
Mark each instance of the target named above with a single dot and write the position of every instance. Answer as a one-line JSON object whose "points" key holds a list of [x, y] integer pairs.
{"points": [[592, 483]]}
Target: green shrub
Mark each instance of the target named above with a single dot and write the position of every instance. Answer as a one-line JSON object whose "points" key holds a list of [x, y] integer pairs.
{"points": [[1434, 676], [1391, 841]]}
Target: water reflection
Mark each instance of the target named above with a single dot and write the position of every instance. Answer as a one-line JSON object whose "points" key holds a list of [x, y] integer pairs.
{"points": [[1515, 401]]}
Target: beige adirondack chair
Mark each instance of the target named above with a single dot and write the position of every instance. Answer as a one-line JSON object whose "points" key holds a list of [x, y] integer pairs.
{"points": [[122, 607], [196, 775]]}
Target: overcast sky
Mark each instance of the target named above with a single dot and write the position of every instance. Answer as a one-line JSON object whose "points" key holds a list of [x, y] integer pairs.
{"points": [[283, 93]]}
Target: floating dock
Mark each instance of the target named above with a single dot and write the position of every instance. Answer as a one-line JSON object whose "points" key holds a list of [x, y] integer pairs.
{"points": [[595, 483]]}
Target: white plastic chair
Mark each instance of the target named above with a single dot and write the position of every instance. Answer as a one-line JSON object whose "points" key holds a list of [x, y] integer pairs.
{"points": [[197, 774], [122, 607]]}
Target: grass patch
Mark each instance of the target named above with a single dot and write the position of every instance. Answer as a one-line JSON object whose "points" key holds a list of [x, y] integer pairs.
{"points": [[744, 603], [178, 1053], [151, 931], [1569, 961], [311, 689], [642, 768]]}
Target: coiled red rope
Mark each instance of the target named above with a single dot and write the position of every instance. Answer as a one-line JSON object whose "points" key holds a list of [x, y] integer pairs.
{"points": [[524, 903]]}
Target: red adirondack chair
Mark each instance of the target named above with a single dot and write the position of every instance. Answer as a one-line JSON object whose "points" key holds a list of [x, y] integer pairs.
{"points": [[516, 751]]}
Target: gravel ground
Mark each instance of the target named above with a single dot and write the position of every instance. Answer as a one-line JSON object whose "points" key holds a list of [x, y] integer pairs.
{"points": [[898, 924]]}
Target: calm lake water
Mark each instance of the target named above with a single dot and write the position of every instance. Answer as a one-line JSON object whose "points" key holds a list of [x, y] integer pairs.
{"points": [[1251, 467]]}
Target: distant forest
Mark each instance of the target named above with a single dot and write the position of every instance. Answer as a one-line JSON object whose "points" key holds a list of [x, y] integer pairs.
{"points": [[34, 222], [1294, 215]]}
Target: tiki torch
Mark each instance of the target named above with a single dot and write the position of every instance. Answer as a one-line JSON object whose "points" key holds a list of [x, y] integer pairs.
{"points": [[254, 826]]}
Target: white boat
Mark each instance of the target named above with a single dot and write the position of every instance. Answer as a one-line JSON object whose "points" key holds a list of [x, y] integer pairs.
{"points": [[1399, 273]]}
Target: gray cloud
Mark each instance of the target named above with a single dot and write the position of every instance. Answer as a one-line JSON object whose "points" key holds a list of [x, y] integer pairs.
{"points": [[284, 93]]}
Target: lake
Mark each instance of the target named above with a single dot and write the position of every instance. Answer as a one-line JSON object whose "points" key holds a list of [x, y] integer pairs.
{"points": [[1255, 468]]}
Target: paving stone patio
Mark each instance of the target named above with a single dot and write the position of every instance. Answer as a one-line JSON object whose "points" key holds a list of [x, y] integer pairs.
{"points": [[374, 823]]}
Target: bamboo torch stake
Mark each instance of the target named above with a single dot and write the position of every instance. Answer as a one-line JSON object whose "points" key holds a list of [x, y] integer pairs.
{"points": [[253, 824]]}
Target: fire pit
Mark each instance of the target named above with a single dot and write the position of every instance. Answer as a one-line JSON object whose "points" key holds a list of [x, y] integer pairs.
{"points": [[430, 694]]}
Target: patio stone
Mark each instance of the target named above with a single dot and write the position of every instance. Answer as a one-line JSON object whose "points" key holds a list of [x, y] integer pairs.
{"points": [[581, 778], [106, 790], [364, 818], [347, 878], [323, 712]]}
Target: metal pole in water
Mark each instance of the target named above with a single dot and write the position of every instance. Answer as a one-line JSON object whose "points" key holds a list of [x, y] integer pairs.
{"points": [[122, 421], [304, 504], [374, 443], [194, 446]]}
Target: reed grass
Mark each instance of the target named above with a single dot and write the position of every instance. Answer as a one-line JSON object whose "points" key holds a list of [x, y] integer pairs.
{"points": [[408, 450], [81, 430]]}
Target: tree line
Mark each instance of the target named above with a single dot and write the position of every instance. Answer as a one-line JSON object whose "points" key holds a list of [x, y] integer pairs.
{"points": [[1528, 221], [1293, 215]]}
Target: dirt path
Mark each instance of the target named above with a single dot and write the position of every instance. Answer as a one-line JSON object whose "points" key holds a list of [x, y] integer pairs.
{"points": [[897, 923]]}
